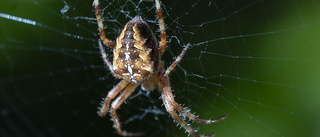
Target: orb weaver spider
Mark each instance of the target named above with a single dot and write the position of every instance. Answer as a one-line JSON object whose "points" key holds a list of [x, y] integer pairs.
{"points": [[136, 60]]}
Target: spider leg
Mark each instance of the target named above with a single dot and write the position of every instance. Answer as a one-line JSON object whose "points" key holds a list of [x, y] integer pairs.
{"points": [[116, 104], [175, 63], [172, 105], [112, 94], [169, 103], [106, 41], [106, 61], [162, 26], [194, 117]]}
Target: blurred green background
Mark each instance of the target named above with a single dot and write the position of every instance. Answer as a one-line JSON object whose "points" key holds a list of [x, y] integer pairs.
{"points": [[257, 61]]}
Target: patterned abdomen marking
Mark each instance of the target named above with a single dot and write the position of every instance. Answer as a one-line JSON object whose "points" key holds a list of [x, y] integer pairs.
{"points": [[136, 55]]}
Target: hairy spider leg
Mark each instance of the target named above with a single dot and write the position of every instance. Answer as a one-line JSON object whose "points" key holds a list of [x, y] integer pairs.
{"points": [[168, 101], [111, 95], [163, 42], [180, 108], [172, 105], [105, 40], [194, 117], [175, 63], [116, 104], [106, 61]]}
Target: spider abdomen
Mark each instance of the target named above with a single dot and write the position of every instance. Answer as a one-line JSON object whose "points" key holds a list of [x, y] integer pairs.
{"points": [[136, 54]]}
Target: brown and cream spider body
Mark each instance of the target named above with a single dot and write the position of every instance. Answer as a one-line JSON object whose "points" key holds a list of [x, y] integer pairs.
{"points": [[136, 60]]}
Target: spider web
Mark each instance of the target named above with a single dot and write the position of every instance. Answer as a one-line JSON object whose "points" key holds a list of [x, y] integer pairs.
{"points": [[257, 61]]}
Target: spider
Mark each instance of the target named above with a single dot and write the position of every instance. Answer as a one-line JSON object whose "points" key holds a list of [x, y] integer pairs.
{"points": [[136, 60]]}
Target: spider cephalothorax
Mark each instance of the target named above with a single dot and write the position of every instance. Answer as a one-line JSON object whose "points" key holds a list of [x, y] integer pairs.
{"points": [[136, 60]]}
